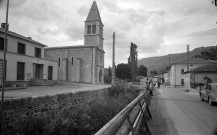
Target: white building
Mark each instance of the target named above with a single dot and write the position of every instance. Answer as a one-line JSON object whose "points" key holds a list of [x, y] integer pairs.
{"points": [[25, 59], [177, 76]]}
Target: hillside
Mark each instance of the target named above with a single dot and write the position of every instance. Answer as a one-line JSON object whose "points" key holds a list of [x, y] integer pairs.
{"points": [[160, 63]]}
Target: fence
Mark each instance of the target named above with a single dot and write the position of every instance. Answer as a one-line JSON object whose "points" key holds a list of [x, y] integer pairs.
{"points": [[129, 120]]}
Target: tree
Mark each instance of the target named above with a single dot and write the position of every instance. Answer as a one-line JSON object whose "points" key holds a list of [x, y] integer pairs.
{"points": [[142, 70], [168, 68], [109, 72], [153, 72], [123, 71]]}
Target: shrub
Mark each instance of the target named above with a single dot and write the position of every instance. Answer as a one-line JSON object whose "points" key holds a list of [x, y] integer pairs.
{"points": [[85, 120], [31, 126], [107, 80], [117, 89]]}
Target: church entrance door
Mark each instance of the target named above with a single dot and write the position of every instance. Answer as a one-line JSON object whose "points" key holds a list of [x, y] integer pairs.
{"points": [[100, 76]]}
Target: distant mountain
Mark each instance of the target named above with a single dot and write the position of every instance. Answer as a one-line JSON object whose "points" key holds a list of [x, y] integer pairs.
{"points": [[161, 62]]}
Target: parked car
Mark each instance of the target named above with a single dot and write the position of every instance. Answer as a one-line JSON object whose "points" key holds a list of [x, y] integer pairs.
{"points": [[209, 93]]}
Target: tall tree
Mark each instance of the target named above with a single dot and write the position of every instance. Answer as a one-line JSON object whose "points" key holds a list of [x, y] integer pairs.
{"points": [[123, 71], [142, 70], [153, 72]]}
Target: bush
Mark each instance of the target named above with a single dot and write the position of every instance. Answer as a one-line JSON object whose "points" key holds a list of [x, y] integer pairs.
{"points": [[31, 126], [85, 120], [107, 80], [117, 90]]}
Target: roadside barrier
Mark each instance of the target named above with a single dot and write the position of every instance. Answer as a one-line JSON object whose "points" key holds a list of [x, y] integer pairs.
{"points": [[129, 120]]}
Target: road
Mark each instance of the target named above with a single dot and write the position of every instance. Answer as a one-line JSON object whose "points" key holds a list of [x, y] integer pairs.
{"points": [[35, 91], [177, 112]]}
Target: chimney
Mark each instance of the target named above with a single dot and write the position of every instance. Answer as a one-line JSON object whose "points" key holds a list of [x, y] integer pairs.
{"points": [[3, 26]]}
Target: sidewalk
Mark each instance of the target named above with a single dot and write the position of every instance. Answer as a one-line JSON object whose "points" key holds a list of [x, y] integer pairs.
{"points": [[63, 87]]}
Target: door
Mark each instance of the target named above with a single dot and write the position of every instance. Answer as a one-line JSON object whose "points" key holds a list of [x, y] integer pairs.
{"points": [[20, 71], [50, 73], [38, 71]]}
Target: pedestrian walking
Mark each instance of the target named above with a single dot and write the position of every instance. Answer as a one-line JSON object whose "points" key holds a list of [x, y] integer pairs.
{"points": [[158, 84]]}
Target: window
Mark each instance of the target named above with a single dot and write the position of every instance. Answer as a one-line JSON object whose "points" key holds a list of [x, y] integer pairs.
{"points": [[37, 52], [20, 71], [88, 29], [1, 43], [59, 62], [94, 29], [182, 71], [101, 57], [21, 48], [182, 82], [72, 60]]}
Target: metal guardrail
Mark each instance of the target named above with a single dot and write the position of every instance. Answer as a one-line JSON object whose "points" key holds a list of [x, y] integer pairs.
{"points": [[129, 120]]}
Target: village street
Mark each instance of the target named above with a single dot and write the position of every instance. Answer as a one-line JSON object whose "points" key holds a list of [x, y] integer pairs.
{"points": [[176, 112]]}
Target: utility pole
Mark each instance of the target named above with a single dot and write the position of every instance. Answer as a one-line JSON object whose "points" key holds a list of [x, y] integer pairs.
{"points": [[4, 63], [187, 57], [113, 61]]}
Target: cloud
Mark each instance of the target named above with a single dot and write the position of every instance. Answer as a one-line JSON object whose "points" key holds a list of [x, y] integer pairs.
{"points": [[157, 27]]}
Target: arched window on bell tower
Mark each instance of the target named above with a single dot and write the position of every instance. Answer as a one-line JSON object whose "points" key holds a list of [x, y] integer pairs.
{"points": [[88, 29], [94, 29]]}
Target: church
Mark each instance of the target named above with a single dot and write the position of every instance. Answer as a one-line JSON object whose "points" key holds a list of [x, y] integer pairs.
{"points": [[83, 63]]}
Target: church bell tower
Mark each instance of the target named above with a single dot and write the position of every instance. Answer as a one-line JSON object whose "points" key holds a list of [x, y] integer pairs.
{"points": [[93, 35]]}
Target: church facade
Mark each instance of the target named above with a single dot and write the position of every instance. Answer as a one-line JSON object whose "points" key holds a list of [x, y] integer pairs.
{"points": [[84, 63]]}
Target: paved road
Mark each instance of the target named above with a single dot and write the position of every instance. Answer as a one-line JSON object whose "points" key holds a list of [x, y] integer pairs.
{"points": [[182, 113], [49, 90]]}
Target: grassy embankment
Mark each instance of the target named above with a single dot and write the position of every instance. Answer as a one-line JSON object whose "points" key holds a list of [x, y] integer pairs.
{"points": [[82, 121]]}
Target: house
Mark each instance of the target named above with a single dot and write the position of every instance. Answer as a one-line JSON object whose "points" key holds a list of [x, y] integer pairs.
{"points": [[82, 63], [165, 77], [177, 70], [25, 59], [198, 75]]}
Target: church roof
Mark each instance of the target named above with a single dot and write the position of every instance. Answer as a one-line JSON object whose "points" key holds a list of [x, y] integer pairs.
{"points": [[94, 13]]}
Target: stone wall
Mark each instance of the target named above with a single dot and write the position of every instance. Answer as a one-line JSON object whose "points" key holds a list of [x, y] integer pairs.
{"points": [[49, 106]]}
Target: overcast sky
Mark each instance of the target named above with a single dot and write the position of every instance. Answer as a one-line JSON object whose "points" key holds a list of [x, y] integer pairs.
{"points": [[158, 27]]}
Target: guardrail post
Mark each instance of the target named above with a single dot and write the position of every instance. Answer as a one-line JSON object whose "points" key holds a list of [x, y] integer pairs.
{"points": [[130, 124], [148, 110], [145, 121]]}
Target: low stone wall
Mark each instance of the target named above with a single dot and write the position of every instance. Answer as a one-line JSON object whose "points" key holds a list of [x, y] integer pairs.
{"points": [[49, 106]]}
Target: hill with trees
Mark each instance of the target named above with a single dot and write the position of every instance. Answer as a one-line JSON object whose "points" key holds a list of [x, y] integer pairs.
{"points": [[160, 63]]}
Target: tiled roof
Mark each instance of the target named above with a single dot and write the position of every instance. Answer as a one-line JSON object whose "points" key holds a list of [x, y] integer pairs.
{"points": [[94, 13], [206, 68], [194, 61], [22, 37]]}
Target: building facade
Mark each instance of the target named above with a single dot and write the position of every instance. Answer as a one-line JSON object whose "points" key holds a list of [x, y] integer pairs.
{"points": [[178, 69], [84, 63], [25, 60], [200, 74]]}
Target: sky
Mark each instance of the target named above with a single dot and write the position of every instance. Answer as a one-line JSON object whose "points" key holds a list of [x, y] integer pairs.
{"points": [[157, 27]]}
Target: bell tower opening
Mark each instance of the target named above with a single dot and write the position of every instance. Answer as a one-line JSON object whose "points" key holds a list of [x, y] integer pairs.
{"points": [[94, 28]]}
